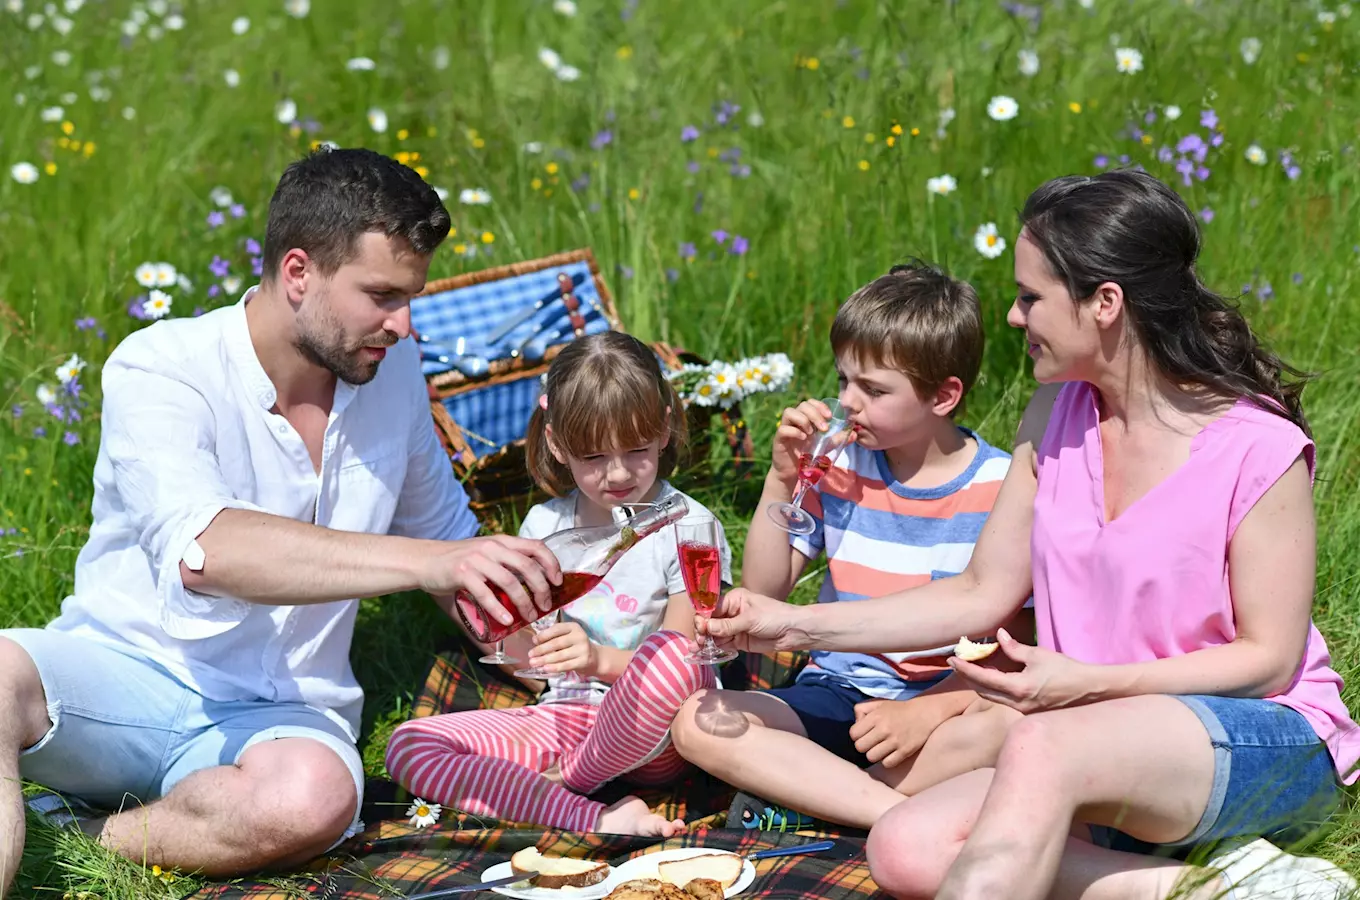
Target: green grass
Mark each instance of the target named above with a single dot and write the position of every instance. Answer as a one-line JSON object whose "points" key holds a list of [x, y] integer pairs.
{"points": [[824, 207]]}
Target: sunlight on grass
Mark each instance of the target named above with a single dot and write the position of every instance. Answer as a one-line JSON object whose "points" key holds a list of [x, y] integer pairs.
{"points": [[153, 132]]}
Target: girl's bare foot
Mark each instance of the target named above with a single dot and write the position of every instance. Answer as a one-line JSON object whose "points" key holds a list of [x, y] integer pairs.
{"points": [[631, 816]]}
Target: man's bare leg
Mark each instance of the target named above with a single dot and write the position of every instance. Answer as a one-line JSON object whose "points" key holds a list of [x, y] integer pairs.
{"points": [[23, 722], [284, 803]]}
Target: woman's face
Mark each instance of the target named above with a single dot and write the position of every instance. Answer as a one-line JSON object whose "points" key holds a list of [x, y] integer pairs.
{"points": [[1064, 337]]}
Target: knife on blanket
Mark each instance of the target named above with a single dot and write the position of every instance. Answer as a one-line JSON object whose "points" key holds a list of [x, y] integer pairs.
{"points": [[468, 888]]}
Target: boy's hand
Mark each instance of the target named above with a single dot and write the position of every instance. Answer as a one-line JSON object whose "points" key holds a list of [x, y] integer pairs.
{"points": [[564, 648], [796, 428], [892, 731]]}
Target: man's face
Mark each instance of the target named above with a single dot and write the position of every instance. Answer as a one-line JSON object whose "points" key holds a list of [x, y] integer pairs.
{"points": [[346, 322]]}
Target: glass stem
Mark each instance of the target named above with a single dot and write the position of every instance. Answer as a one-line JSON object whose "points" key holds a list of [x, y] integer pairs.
{"points": [[797, 501]]}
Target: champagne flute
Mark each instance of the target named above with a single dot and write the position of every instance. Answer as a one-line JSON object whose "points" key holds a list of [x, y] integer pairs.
{"points": [[813, 463], [696, 541], [500, 657], [540, 625]]}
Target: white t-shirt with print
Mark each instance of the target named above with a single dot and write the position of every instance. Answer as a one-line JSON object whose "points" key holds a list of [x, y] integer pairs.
{"points": [[630, 603]]}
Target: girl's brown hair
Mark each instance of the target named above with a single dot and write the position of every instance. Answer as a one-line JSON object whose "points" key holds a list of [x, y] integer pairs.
{"points": [[603, 391]]}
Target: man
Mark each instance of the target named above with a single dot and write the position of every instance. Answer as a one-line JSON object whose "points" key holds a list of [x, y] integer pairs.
{"points": [[259, 468]]}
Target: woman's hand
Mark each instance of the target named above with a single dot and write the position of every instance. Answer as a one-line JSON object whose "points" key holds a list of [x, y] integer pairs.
{"points": [[564, 648], [1045, 679], [748, 621]]}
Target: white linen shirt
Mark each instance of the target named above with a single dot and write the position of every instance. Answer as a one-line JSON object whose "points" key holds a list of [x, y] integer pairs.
{"points": [[186, 433]]}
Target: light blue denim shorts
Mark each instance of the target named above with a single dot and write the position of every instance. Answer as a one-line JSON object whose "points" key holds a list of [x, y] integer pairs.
{"points": [[1273, 777], [124, 729]]}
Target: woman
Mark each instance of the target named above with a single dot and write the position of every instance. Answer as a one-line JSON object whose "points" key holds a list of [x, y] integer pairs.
{"points": [[1159, 507]]}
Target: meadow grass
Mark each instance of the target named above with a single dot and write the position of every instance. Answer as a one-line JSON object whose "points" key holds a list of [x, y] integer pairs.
{"points": [[804, 171]]}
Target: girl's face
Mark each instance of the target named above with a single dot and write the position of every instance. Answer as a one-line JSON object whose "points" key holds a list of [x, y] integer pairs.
{"points": [[615, 476]]}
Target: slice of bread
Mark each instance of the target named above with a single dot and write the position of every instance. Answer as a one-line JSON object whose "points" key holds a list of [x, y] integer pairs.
{"points": [[705, 889], [972, 651], [557, 871], [724, 868]]}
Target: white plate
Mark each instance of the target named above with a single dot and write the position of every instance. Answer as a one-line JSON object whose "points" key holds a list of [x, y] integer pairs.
{"points": [[594, 892], [645, 867]]}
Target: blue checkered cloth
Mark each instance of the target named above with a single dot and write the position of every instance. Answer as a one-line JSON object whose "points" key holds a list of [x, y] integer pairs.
{"points": [[494, 416]]}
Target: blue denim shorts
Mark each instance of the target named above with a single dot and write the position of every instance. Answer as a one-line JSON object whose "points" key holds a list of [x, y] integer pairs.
{"points": [[123, 727], [1273, 777]]}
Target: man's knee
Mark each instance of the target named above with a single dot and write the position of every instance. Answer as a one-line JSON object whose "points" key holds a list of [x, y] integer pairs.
{"points": [[23, 704], [304, 796]]}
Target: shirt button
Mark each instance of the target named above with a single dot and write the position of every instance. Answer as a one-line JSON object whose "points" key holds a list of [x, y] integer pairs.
{"points": [[283, 429]]}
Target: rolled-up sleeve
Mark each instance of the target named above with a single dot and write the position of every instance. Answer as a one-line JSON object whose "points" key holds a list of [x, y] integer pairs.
{"points": [[432, 503], [159, 439]]}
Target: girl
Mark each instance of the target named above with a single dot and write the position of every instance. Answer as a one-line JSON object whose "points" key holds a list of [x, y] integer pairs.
{"points": [[1159, 506], [607, 432]]}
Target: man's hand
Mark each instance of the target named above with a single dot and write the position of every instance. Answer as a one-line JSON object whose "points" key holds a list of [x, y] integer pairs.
{"points": [[522, 568], [564, 648], [892, 731], [749, 621]]}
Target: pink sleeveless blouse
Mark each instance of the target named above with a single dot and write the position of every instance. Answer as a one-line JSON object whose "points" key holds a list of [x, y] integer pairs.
{"points": [[1154, 582]]}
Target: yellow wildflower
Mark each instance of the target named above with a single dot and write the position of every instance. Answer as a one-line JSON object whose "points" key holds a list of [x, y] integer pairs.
{"points": [[916, 132], [848, 122], [624, 52], [869, 138], [551, 168], [896, 129], [890, 141], [864, 165], [488, 237], [68, 128], [634, 194], [402, 134], [536, 183], [1074, 106], [812, 63], [50, 168], [422, 171], [460, 249]]}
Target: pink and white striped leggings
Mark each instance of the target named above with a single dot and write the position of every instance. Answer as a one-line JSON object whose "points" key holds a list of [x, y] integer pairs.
{"points": [[488, 762]]}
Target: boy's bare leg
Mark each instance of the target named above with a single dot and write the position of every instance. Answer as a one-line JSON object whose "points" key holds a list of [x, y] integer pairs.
{"points": [[756, 742], [962, 744]]}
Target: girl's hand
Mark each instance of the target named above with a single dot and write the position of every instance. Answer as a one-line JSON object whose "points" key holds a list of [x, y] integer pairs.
{"points": [[1046, 679], [564, 648], [796, 427]]}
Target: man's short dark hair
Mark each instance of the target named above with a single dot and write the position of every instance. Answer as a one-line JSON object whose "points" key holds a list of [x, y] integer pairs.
{"points": [[326, 201]]}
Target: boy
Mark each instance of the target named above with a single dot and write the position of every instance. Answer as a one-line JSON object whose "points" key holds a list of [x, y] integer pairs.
{"points": [[903, 504]]}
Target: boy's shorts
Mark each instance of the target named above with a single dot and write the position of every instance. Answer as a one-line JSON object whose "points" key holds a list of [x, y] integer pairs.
{"points": [[826, 707]]}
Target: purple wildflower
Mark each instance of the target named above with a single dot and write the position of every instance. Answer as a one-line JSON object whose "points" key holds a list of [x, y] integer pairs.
{"points": [[739, 245], [16, 410], [219, 266], [725, 111], [720, 236], [688, 133], [1149, 117], [1189, 144], [1265, 291], [56, 411], [1123, 159], [1101, 161], [687, 251], [237, 211], [672, 275], [1298, 277], [602, 140], [71, 438], [73, 388], [257, 266], [214, 290], [253, 247], [1185, 167], [1293, 172], [692, 166], [1165, 154], [1206, 214], [741, 170], [581, 183], [73, 415], [198, 311], [1208, 119], [39, 432], [85, 324], [215, 218], [134, 307], [1216, 140], [1202, 173], [731, 154]]}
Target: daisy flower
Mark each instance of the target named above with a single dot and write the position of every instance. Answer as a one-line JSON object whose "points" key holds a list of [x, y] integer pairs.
{"points": [[145, 274], [474, 196], [422, 814], [70, 370], [1128, 60], [220, 197], [988, 242], [24, 172], [231, 284], [942, 185], [166, 276], [1029, 63], [549, 58], [1250, 48], [52, 114], [298, 9], [1255, 155], [564, 7], [361, 64], [1003, 108], [232, 78], [156, 305], [286, 111], [568, 73], [1172, 113], [377, 120], [240, 25], [47, 395]]}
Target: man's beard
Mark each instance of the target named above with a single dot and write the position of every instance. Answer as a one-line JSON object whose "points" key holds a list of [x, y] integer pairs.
{"points": [[323, 343]]}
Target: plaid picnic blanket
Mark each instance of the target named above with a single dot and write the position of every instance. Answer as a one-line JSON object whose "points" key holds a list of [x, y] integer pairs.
{"points": [[392, 859]]}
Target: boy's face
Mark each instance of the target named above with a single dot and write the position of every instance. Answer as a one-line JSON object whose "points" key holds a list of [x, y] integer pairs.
{"points": [[885, 405]]}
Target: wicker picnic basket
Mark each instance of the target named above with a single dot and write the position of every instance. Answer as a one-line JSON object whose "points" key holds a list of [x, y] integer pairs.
{"points": [[481, 414]]}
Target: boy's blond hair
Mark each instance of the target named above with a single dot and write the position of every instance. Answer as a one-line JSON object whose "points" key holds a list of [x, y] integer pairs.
{"points": [[918, 320]]}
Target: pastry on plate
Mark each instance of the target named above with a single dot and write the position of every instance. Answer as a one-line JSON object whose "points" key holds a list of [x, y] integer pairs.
{"points": [[557, 871], [724, 868]]}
